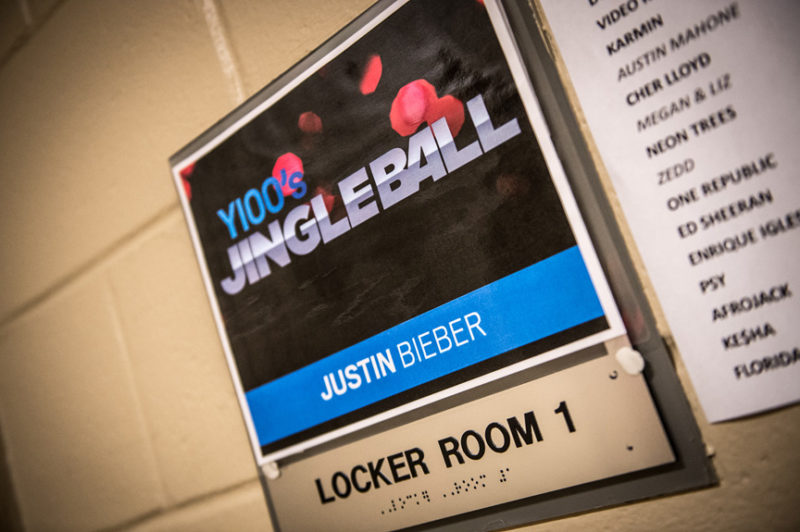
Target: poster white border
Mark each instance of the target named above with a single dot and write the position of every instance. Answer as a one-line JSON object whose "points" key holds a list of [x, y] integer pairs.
{"points": [[615, 329]]}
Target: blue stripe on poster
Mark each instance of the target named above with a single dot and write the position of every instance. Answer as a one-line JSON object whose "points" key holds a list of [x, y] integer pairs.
{"points": [[543, 299]]}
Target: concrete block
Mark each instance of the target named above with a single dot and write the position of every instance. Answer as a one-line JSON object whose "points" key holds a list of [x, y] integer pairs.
{"points": [[78, 452], [200, 439], [92, 107], [269, 37], [41, 8], [242, 509], [12, 25]]}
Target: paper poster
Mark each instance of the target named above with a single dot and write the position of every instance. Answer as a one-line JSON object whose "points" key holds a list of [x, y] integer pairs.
{"points": [[385, 230], [693, 108]]}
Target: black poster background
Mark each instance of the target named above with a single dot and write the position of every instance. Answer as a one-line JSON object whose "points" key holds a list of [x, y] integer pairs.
{"points": [[488, 219]]}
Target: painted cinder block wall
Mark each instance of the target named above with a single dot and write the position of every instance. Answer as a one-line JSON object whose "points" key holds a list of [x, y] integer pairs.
{"points": [[116, 408]]}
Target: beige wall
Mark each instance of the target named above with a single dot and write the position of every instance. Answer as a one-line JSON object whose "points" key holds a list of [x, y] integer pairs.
{"points": [[116, 408]]}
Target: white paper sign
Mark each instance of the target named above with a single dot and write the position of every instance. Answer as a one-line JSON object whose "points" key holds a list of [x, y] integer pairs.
{"points": [[693, 106]]}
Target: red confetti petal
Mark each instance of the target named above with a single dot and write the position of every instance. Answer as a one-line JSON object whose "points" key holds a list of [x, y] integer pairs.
{"points": [[449, 107], [187, 187], [327, 198], [512, 186], [310, 122], [410, 106], [186, 172], [372, 75], [289, 163]]}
